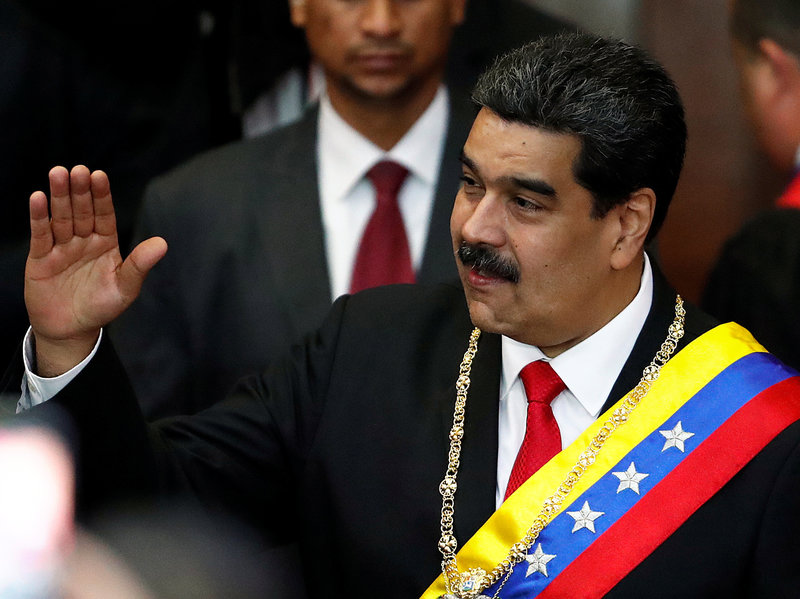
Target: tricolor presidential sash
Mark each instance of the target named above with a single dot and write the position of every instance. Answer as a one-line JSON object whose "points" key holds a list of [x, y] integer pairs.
{"points": [[688, 437]]}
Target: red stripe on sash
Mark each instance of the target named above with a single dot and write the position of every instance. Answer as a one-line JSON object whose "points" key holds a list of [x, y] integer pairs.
{"points": [[706, 470]]}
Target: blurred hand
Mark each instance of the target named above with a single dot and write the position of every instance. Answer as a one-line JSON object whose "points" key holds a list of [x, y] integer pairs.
{"points": [[75, 279]]}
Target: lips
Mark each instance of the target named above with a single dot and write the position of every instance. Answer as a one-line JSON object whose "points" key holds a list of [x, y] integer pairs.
{"points": [[481, 278], [380, 61], [486, 264]]}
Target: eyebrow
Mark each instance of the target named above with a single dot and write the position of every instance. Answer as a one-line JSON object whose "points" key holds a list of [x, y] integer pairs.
{"points": [[531, 184]]}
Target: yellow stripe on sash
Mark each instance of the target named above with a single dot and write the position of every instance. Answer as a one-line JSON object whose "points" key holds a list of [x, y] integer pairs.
{"points": [[685, 374]]}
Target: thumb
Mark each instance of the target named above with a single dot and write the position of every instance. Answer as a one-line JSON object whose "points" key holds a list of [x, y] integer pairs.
{"points": [[133, 271]]}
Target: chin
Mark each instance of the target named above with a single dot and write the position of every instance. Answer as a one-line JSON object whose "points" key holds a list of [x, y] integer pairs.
{"points": [[380, 88], [483, 317]]}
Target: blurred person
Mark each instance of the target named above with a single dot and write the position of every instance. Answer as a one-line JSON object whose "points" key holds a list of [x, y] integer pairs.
{"points": [[560, 423], [37, 529], [756, 280], [173, 550], [266, 233], [93, 570]]}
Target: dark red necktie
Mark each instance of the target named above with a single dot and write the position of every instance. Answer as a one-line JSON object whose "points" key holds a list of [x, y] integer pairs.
{"points": [[542, 437], [383, 255]]}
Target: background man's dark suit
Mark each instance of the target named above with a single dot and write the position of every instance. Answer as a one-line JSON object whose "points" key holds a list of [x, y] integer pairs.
{"points": [[246, 272], [344, 443], [756, 282]]}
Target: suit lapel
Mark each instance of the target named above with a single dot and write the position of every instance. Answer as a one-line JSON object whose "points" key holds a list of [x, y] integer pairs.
{"points": [[475, 498], [654, 332], [438, 263], [289, 193]]}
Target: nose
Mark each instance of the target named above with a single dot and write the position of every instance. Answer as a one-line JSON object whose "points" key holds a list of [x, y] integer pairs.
{"points": [[381, 18], [484, 221]]}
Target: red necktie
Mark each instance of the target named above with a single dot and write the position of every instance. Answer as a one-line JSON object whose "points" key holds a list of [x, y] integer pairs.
{"points": [[542, 438], [383, 255]]}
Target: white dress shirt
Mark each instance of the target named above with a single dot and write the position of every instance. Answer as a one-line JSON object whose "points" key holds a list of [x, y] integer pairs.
{"points": [[589, 370], [348, 199]]}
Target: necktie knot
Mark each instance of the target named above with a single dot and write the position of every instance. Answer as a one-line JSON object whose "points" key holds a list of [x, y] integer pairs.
{"points": [[387, 177], [542, 384]]}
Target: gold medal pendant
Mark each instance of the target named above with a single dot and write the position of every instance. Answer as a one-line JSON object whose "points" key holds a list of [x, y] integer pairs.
{"points": [[468, 586], [471, 583]]}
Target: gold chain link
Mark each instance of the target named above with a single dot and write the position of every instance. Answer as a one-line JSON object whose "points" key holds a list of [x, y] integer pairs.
{"points": [[455, 580]]}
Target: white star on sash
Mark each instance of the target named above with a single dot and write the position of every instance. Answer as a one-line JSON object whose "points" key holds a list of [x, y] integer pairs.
{"points": [[585, 518], [538, 561], [630, 479], [675, 437]]}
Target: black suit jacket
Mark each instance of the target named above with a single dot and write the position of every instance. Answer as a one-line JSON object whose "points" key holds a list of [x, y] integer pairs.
{"points": [[341, 446], [246, 273]]}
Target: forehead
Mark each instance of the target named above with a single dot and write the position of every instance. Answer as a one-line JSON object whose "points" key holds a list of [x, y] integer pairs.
{"points": [[500, 148]]}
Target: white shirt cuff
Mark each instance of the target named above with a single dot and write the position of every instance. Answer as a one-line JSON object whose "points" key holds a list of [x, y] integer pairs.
{"points": [[36, 389]]}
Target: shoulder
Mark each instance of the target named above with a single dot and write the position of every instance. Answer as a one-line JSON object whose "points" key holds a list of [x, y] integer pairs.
{"points": [[241, 165], [772, 235], [232, 183], [662, 311], [761, 260], [399, 303], [407, 316]]}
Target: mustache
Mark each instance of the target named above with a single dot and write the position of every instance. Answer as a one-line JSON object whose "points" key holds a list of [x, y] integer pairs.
{"points": [[488, 261]]}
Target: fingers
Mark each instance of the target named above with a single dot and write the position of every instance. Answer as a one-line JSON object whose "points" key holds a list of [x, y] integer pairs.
{"points": [[105, 222], [81, 193], [60, 205], [71, 206], [41, 234], [80, 204], [134, 269]]}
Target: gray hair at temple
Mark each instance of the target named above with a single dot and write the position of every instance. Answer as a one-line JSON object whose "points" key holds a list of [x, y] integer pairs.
{"points": [[618, 101], [778, 20]]}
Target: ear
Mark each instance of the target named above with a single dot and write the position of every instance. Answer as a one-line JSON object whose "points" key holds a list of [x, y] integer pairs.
{"points": [[635, 217], [777, 92], [297, 12], [784, 68], [457, 12]]}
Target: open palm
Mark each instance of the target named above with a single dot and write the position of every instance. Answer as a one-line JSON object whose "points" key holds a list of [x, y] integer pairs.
{"points": [[75, 278]]}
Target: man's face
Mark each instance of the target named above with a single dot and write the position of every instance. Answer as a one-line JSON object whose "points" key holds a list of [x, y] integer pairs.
{"points": [[553, 283], [379, 49], [770, 117]]}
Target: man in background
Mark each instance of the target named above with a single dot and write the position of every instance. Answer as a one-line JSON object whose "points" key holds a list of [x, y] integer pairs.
{"points": [[264, 234], [756, 281]]}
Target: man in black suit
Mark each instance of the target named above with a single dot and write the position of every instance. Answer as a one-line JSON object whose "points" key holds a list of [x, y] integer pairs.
{"points": [[756, 279], [236, 289], [357, 445]]}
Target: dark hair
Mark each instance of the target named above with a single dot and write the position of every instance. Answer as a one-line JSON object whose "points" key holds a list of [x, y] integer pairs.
{"points": [[779, 20], [617, 100]]}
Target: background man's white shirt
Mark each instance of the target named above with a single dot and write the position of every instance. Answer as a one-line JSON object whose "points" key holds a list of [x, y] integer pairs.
{"points": [[347, 198]]}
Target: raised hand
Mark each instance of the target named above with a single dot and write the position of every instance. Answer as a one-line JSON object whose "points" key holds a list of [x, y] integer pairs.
{"points": [[75, 279]]}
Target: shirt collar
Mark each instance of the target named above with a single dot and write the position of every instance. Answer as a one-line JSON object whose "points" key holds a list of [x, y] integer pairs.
{"points": [[590, 368], [345, 155]]}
